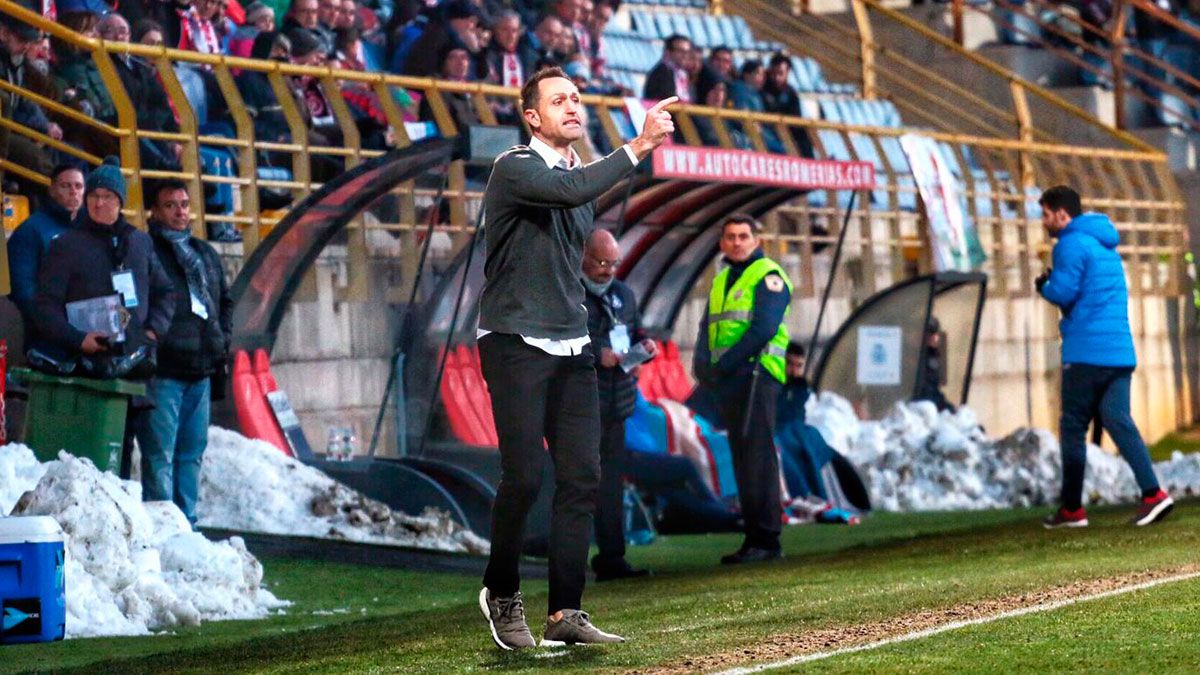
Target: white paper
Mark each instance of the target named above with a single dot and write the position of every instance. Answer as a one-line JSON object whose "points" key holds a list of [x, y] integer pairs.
{"points": [[879, 355], [618, 338], [123, 284]]}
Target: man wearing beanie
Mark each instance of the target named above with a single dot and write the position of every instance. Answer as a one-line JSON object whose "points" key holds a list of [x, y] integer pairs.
{"points": [[101, 256]]}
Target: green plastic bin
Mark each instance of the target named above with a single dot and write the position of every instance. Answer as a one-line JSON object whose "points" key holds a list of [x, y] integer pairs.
{"points": [[85, 417]]}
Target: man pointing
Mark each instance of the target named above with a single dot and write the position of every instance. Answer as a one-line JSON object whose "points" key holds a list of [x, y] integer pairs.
{"points": [[535, 351]]}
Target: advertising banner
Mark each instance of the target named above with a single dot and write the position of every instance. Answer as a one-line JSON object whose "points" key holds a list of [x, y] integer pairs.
{"points": [[760, 168], [955, 242]]}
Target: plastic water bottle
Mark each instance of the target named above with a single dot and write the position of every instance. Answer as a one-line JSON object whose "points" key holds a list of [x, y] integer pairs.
{"points": [[349, 444], [333, 445]]}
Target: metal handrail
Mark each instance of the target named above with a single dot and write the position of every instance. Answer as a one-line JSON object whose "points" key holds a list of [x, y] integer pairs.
{"points": [[1114, 55], [1041, 92]]}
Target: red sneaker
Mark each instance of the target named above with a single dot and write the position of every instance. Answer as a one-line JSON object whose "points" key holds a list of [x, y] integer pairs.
{"points": [[1153, 509], [1065, 518]]}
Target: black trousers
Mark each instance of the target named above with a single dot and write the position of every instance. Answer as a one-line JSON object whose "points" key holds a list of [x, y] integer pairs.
{"points": [[535, 396], [755, 462], [610, 504]]}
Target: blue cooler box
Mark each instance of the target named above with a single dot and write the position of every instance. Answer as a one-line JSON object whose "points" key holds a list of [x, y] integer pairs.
{"points": [[33, 606]]}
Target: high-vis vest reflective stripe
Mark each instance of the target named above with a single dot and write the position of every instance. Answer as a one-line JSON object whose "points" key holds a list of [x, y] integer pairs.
{"points": [[729, 313]]}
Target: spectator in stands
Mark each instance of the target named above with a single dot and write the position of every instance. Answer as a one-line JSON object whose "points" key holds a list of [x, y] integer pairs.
{"points": [[104, 254], [327, 13], [456, 67], [270, 124], [510, 62], [455, 28], [191, 352], [305, 14], [545, 41], [31, 240], [259, 18], [197, 30], [511, 56], [148, 32], [347, 16], [716, 96], [780, 97], [97, 7], [570, 13], [601, 14], [669, 77], [16, 39], [614, 327], [746, 94], [77, 78], [161, 12], [720, 62]]}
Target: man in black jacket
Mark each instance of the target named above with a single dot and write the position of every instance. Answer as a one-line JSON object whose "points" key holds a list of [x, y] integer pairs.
{"points": [[533, 349], [192, 351], [780, 97], [669, 77], [614, 327], [147, 94], [102, 256]]}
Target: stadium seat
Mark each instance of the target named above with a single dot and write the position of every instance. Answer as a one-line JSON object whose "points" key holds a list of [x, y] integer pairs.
{"points": [[16, 210], [250, 403]]}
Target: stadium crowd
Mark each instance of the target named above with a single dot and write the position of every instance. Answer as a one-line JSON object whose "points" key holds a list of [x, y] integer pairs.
{"points": [[497, 41]]}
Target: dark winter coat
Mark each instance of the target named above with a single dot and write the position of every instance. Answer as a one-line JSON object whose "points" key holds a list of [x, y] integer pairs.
{"points": [[617, 389], [28, 246], [79, 266], [194, 348], [1088, 285]]}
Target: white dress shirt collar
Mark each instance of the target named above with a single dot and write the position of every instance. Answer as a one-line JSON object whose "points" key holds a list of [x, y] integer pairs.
{"points": [[550, 156]]}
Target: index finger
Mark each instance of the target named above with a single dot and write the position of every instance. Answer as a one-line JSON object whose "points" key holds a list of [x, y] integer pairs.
{"points": [[663, 104]]}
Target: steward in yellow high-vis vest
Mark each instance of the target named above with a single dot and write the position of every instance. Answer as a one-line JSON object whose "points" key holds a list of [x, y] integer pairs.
{"points": [[740, 363]]}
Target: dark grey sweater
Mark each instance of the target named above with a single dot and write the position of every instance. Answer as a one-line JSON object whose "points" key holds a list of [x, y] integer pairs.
{"points": [[536, 221]]}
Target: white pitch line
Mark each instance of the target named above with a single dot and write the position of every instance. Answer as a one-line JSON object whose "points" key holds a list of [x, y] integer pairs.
{"points": [[955, 625]]}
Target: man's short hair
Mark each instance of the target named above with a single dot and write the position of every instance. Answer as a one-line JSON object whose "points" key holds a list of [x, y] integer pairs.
{"points": [[63, 168], [741, 219], [719, 48], [165, 185], [672, 42], [531, 92], [1062, 197], [794, 348], [750, 66]]}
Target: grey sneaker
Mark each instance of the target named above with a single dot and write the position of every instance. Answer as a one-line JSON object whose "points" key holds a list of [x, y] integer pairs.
{"points": [[506, 619], [575, 628]]}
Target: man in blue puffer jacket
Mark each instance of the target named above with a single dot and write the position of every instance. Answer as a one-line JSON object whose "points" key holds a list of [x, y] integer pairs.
{"points": [[1087, 283]]}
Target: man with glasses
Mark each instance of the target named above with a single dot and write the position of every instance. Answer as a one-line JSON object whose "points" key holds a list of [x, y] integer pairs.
{"points": [[615, 328], [670, 76], [104, 256]]}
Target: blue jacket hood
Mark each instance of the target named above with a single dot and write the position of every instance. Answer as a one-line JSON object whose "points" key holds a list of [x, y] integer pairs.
{"points": [[1095, 225]]}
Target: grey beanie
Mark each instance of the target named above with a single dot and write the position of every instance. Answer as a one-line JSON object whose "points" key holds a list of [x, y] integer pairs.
{"points": [[107, 176]]}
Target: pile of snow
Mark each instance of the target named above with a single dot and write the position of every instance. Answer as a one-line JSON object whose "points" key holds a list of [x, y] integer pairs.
{"points": [[249, 486], [917, 459], [19, 472], [134, 567]]}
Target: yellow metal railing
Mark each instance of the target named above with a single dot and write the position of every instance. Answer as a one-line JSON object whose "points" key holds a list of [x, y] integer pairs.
{"points": [[1000, 155], [956, 103]]}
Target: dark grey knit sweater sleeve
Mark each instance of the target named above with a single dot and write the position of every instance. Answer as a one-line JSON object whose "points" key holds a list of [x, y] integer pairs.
{"points": [[536, 220], [526, 178]]}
